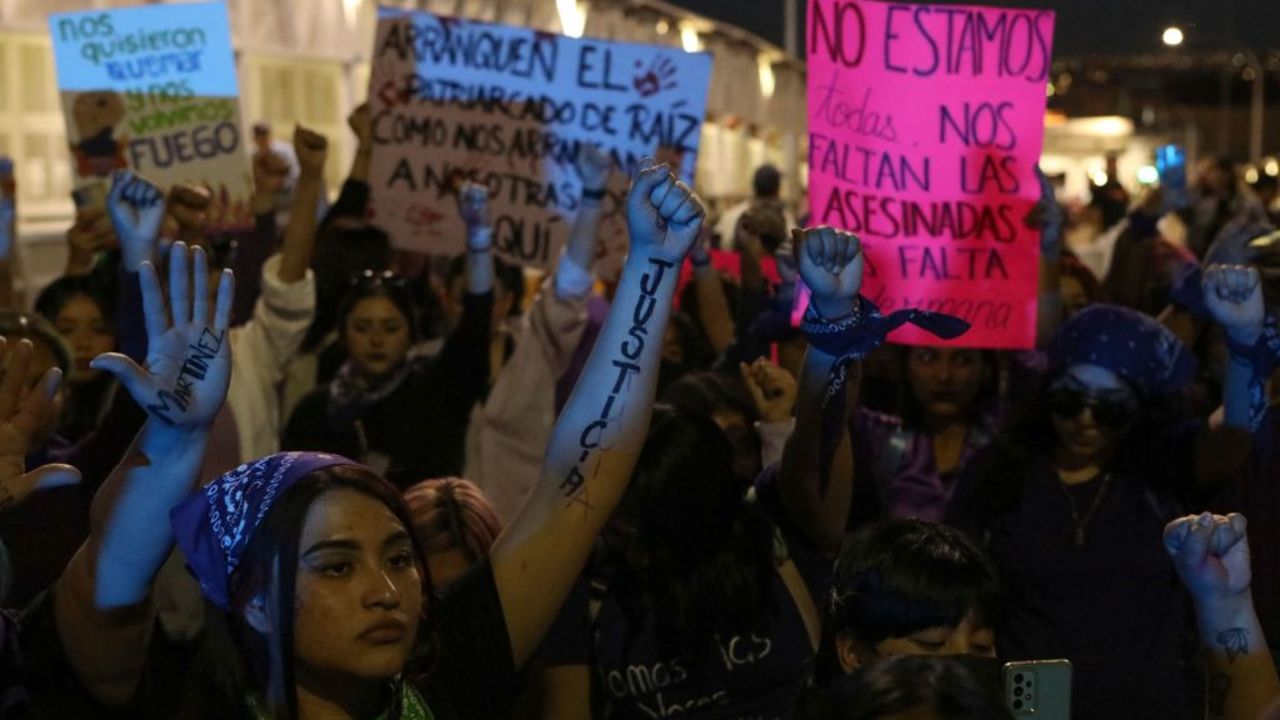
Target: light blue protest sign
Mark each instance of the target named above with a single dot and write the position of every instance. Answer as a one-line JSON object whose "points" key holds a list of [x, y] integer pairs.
{"points": [[510, 107], [153, 89]]}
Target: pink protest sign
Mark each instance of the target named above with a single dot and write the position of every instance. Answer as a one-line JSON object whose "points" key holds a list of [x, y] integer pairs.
{"points": [[925, 127]]}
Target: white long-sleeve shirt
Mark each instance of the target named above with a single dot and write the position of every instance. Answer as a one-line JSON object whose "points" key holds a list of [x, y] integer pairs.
{"points": [[509, 432], [261, 352]]}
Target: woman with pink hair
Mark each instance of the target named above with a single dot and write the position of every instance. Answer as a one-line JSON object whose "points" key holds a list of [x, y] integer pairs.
{"points": [[455, 524]]}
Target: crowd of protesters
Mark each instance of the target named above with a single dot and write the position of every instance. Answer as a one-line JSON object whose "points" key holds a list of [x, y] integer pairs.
{"points": [[291, 472]]}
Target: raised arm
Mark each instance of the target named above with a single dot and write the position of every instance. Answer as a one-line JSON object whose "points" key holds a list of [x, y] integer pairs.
{"points": [[361, 125], [831, 263], [599, 435], [300, 235], [1211, 555], [593, 166], [713, 307], [1233, 294], [1048, 218], [103, 601]]}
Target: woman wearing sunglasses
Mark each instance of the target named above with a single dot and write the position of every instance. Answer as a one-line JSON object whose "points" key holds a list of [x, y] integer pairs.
{"points": [[1072, 503]]}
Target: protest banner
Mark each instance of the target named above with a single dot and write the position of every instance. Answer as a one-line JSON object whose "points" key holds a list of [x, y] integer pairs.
{"points": [[925, 127], [153, 89], [509, 107]]}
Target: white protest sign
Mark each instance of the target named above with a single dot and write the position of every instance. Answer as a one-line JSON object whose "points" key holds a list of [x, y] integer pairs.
{"points": [[509, 107]]}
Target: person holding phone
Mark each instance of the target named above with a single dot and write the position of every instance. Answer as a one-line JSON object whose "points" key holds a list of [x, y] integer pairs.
{"points": [[1071, 503]]}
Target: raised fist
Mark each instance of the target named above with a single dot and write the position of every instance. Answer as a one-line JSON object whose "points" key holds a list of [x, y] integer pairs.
{"points": [[830, 262], [664, 217]]}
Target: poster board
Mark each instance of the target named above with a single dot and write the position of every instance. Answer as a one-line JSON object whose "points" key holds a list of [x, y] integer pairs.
{"points": [[153, 89], [508, 107], [925, 127]]}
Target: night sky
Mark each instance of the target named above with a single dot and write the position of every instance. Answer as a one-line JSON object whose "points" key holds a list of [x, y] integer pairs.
{"points": [[1083, 26]]}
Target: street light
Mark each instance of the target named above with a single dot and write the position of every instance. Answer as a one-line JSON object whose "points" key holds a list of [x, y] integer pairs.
{"points": [[1254, 74], [1173, 36]]}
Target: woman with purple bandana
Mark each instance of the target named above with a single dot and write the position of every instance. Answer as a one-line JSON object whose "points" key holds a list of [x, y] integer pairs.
{"points": [[1072, 504], [311, 557]]}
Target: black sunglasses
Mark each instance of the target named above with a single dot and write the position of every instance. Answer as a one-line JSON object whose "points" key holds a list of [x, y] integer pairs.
{"points": [[1108, 411], [372, 278]]}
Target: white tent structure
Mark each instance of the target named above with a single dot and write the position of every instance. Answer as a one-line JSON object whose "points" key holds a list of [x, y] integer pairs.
{"points": [[306, 61]]}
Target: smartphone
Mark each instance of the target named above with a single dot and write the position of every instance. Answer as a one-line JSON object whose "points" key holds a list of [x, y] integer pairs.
{"points": [[1039, 689], [1171, 166]]}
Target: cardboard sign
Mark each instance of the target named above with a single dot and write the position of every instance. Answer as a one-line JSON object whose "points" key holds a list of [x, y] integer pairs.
{"points": [[509, 107], [925, 127], [153, 89]]}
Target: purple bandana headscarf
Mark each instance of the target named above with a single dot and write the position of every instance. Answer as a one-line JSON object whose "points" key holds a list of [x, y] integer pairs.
{"points": [[215, 524], [1135, 347]]}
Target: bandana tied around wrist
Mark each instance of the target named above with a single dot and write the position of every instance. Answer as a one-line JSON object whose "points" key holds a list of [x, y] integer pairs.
{"points": [[852, 338], [215, 524]]}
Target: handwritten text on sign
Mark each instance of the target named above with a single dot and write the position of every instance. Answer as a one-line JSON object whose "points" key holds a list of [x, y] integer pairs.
{"points": [[154, 89], [926, 124], [509, 107]]}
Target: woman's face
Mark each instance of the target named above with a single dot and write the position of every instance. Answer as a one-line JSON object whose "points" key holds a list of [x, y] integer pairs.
{"points": [[969, 637], [359, 591], [377, 336], [1092, 409], [945, 381], [80, 321]]}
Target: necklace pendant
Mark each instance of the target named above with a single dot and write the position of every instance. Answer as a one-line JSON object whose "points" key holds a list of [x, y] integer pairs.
{"points": [[1079, 537]]}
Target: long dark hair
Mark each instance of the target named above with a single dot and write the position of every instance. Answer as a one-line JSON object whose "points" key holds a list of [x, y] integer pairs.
{"points": [[898, 577], [913, 413], [392, 288], [87, 402], [343, 246], [275, 544], [700, 558], [57, 293]]}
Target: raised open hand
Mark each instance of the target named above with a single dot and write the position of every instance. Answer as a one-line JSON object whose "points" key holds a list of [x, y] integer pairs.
{"points": [[188, 363], [593, 166], [773, 389], [664, 217], [1211, 555], [136, 208], [312, 149], [1233, 294], [830, 262], [23, 410], [473, 206]]}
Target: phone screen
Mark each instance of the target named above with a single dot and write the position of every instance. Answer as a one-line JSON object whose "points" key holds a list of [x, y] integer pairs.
{"points": [[1171, 165]]}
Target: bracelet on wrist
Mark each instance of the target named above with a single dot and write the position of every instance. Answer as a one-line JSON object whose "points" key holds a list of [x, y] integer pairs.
{"points": [[596, 195]]}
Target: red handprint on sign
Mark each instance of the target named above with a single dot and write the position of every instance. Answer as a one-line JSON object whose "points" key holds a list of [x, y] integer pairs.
{"points": [[661, 75]]}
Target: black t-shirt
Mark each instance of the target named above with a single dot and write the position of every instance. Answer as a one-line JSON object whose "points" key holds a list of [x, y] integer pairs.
{"points": [[1112, 606], [749, 676], [473, 677]]}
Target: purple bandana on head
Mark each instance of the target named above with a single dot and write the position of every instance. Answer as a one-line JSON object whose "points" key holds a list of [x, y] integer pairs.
{"points": [[215, 524], [1135, 347]]}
